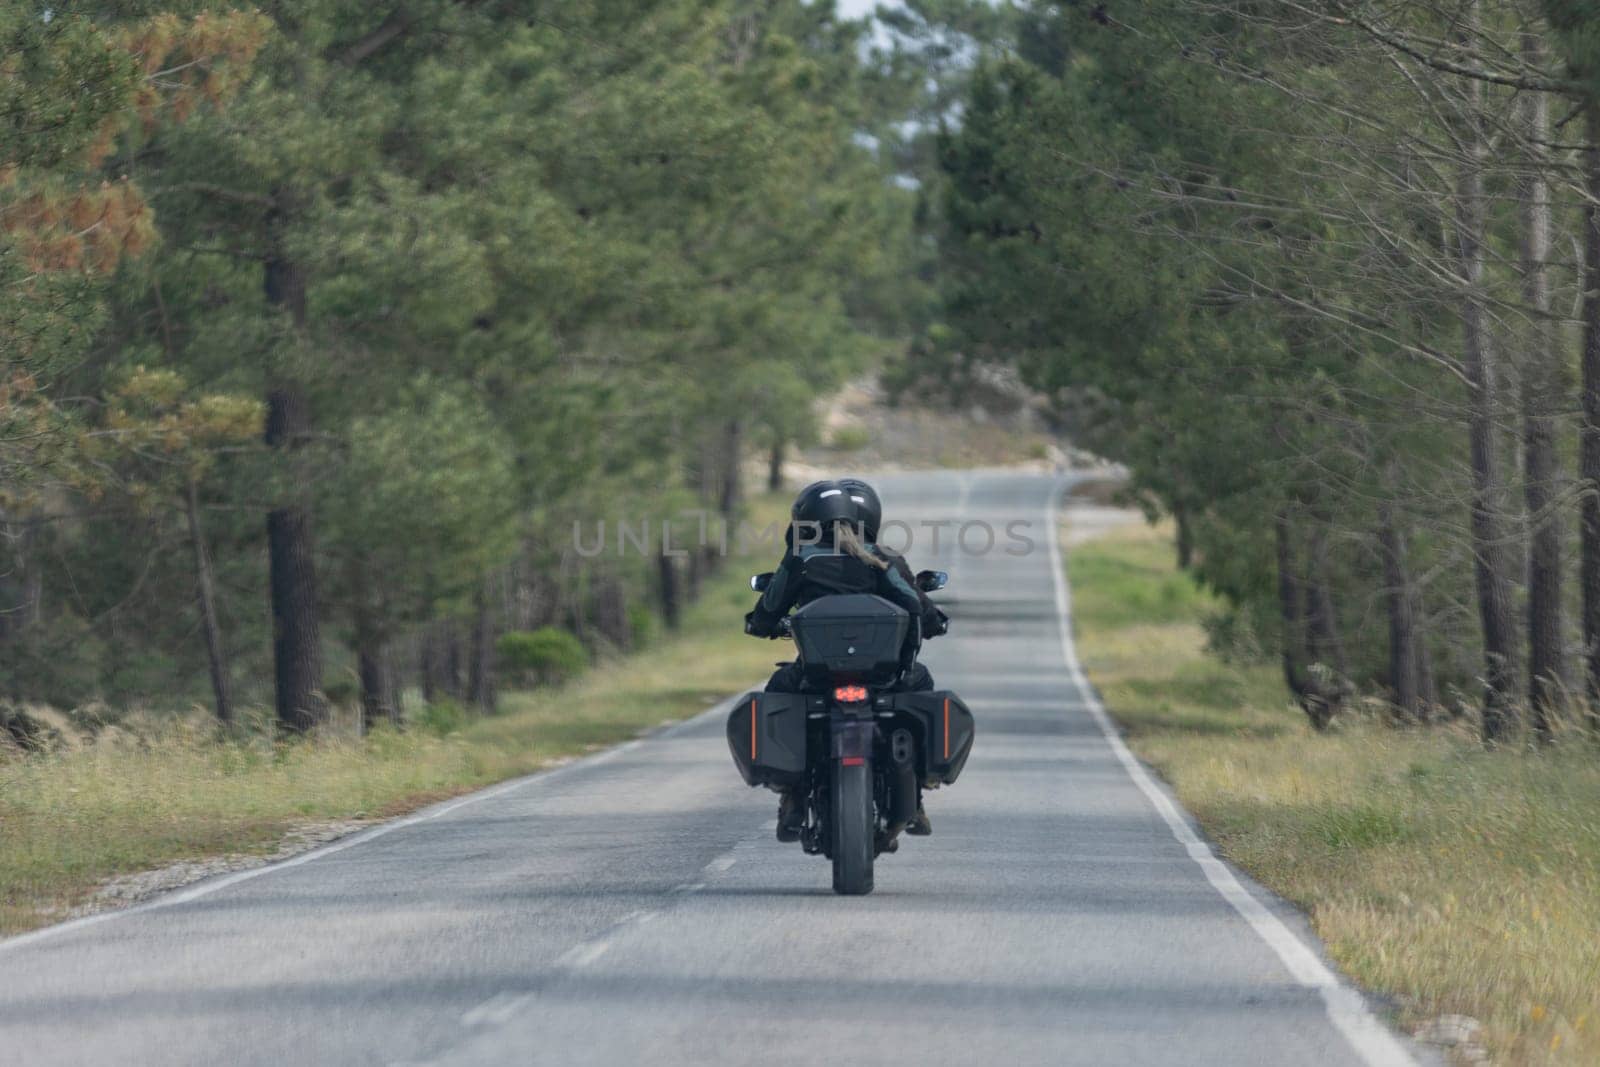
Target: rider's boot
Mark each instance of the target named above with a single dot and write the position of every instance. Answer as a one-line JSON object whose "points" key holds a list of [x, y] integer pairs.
{"points": [[919, 826], [791, 815]]}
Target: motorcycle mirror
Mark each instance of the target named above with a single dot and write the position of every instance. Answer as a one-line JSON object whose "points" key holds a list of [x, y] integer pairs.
{"points": [[931, 581], [759, 582]]}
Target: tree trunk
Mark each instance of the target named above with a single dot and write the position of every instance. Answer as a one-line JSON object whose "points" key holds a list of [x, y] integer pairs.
{"points": [[696, 573], [731, 488], [480, 675], [671, 603], [206, 598], [296, 639], [1542, 390], [1492, 568], [611, 611], [1428, 688], [21, 587], [1324, 645], [1185, 536], [450, 663], [1405, 682], [1292, 617], [284, 283], [1590, 451], [775, 467], [431, 656], [380, 691]]}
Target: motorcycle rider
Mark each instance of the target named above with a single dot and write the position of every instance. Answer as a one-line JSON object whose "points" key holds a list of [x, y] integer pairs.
{"points": [[934, 621], [831, 550]]}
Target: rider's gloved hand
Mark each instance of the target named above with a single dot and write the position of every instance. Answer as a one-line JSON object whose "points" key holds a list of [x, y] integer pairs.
{"points": [[757, 624], [940, 626]]}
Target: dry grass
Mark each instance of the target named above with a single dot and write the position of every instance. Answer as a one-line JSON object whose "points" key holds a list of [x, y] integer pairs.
{"points": [[138, 800], [1451, 878]]}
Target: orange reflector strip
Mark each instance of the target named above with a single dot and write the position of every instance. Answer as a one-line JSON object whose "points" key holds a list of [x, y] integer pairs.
{"points": [[946, 727], [850, 694], [853, 761], [752, 729]]}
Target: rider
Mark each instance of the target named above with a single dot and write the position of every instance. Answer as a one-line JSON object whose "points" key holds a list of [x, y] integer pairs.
{"points": [[934, 621], [834, 552]]}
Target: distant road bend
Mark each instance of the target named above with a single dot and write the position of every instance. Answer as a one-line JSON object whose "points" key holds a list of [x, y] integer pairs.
{"points": [[633, 907]]}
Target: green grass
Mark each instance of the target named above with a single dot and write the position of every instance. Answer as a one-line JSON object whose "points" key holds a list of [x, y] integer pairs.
{"points": [[1450, 878], [169, 792], [850, 439]]}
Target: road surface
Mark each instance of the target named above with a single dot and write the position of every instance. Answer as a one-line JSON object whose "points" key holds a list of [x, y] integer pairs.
{"points": [[634, 907]]}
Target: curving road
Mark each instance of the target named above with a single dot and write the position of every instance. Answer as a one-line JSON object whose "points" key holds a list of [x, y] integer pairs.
{"points": [[633, 907]]}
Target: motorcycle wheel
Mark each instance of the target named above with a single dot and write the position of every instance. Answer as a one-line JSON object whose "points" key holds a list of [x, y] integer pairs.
{"points": [[851, 805]]}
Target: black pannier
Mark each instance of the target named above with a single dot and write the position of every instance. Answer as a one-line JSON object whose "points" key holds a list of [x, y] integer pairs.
{"points": [[767, 735], [947, 732], [855, 635]]}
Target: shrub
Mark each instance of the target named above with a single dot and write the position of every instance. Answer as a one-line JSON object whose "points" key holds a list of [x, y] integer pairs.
{"points": [[850, 439], [1233, 636], [641, 625], [549, 655], [442, 717]]}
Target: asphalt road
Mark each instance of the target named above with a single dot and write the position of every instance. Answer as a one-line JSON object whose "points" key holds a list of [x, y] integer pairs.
{"points": [[634, 907]]}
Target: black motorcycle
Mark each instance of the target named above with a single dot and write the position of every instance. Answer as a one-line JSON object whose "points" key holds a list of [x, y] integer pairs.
{"points": [[857, 749]]}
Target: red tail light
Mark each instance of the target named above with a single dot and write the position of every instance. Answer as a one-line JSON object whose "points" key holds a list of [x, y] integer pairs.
{"points": [[850, 694]]}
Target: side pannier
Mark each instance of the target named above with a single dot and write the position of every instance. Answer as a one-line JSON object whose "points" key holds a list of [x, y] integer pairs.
{"points": [[767, 736], [947, 730]]}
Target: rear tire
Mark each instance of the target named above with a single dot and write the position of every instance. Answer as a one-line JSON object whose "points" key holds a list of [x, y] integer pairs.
{"points": [[852, 817]]}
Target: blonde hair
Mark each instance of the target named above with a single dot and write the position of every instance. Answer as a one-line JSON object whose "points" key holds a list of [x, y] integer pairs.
{"points": [[845, 537]]}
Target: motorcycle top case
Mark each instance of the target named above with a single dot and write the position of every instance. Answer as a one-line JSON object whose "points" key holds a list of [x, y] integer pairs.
{"points": [[948, 731], [767, 736], [851, 634]]}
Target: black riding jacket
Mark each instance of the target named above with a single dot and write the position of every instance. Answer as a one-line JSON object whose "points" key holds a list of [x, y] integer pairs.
{"points": [[813, 571]]}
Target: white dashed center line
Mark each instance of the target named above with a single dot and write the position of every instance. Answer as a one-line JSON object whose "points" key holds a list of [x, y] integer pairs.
{"points": [[583, 955]]}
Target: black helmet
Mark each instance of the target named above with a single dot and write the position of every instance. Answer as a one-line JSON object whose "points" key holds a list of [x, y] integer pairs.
{"points": [[869, 509], [821, 504]]}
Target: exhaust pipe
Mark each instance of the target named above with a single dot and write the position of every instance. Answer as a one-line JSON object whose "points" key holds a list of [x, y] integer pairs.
{"points": [[902, 783]]}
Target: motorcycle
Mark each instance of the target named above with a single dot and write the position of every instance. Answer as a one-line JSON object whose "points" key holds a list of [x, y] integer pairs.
{"points": [[857, 750]]}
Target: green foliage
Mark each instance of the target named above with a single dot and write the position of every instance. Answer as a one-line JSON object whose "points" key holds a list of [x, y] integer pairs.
{"points": [[520, 271], [642, 626], [1234, 635], [850, 438], [1166, 217], [441, 717], [72, 84], [549, 655]]}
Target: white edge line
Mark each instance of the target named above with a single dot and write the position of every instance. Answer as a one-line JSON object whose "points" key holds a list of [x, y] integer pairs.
{"points": [[1371, 1039], [207, 886]]}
